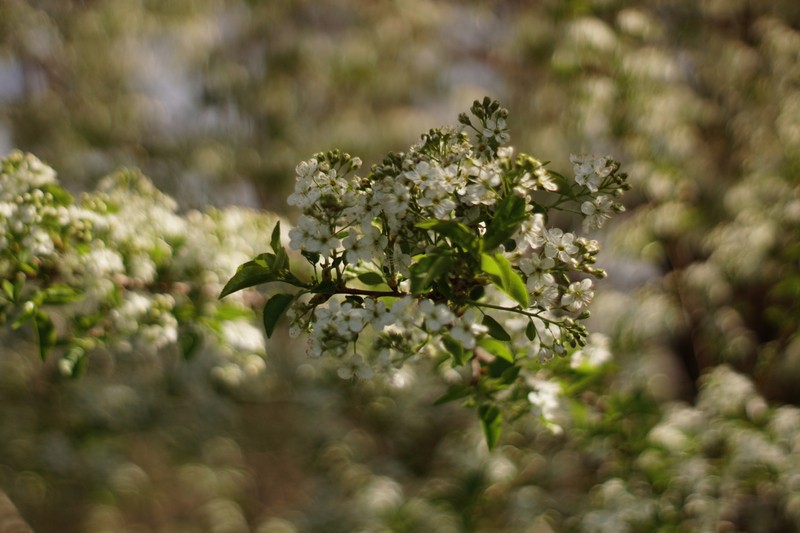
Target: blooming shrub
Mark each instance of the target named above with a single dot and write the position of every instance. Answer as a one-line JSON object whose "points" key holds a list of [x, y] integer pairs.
{"points": [[442, 251], [119, 269]]}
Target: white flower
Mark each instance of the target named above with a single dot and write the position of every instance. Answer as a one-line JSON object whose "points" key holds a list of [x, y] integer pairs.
{"points": [[532, 232], [306, 190], [560, 245], [377, 314], [543, 290], [349, 319], [436, 316], [597, 212], [545, 180], [38, 242], [546, 399], [590, 170], [537, 268], [436, 200], [102, 262], [312, 236], [579, 295], [355, 367], [465, 330], [496, 127], [424, 175], [477, 194], [358, 247]]}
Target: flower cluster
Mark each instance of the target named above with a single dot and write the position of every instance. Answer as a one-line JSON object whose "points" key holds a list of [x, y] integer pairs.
{"points": [[120, 268], [435, 249]]}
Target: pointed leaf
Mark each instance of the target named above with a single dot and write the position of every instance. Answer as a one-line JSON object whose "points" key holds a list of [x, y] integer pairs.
{"points": [[281, 257], [495, 329], [429, 269], [266, 260], [455, 348], [504, 277], [60, 294], [371, 278], [491, 423], [232, 312], [507, 218], [455, 392], [248, 275], [457, 232], [45, 333], [274, 309], [530, 331], [497, 348], [8, 289], [512, 282], [275, 240]]}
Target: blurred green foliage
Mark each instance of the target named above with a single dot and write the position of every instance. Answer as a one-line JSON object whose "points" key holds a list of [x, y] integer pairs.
{"points": [[217, 101]]}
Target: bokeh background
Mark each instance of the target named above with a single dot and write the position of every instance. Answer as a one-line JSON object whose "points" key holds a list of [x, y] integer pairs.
{"points": [[694, 427]]}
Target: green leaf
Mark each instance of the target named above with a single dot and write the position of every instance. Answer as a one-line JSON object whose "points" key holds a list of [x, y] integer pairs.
{"points": [[371, 278], [262, 269], [497, 348], [275, 240], [491, 423], [266, 260], [455, 348], [311, 257], [45, 333], [427, 270], [508, 216], [189, 343], [504, 276], [232, 312], [60, 294], [281, 257], [60, 195], [249, 274], [457, 232], [8, 290], [274, 309], [505, 372], [495, 329], [455, 392], [530, 331], [325, 286]]}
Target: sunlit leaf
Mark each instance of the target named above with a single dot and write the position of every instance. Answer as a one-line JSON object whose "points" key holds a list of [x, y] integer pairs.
{"points": [[504, 277], [249, 275], [497, 348]]}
